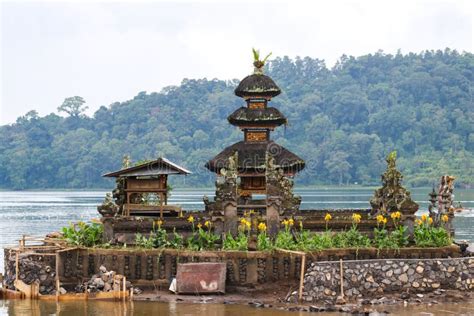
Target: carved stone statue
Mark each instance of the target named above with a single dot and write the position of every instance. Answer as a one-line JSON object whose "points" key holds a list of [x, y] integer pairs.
{"points": [[108, 208], [392, 196]]}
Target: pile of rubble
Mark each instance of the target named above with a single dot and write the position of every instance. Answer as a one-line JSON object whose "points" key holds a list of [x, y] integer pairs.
{"points": [[32, 269], [105, 281]]}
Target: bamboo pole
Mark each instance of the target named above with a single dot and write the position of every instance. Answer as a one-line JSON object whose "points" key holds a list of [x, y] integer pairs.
{"points": [[17, 266], [303, 268], [161, 205], [342, 277], [57, 277], [302, 271], [124, 289]]}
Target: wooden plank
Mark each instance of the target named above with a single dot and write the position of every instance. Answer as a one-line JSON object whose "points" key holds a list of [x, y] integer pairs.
{"points": [[10, 294], [30, 291]]}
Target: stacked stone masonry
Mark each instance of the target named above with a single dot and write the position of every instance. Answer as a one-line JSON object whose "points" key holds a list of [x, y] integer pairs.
{"points": [[243, 268], [374, 278]]}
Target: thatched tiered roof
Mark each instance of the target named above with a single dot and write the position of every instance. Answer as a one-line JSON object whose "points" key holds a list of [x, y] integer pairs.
{"points": [[257, 85], [249, 117], [251, 157]]}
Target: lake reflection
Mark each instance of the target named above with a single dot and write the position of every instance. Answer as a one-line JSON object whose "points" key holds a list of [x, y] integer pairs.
{"points": [[27, 308]]}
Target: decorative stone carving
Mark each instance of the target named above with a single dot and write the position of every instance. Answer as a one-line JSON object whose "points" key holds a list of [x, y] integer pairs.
{"points": [[280, 198], [119, 194], [441, 203], [223, 210], [392, 196], [445, 194], [126, 162], [281, 186], [108, 208]]}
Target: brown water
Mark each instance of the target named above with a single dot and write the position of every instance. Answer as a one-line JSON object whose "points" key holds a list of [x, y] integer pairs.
{"points": [[27, 307]]}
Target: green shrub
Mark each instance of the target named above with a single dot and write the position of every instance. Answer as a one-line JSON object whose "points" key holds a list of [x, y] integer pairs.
{"points": [[202, 239], [284, 240], [322, 241], [177, 242], [240, 242], [264, 242], [142, 241], [426, 235], [351, 239], [82, 234]]}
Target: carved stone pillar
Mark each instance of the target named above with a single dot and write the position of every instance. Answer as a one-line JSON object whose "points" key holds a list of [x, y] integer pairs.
{"points": [[273, 215], [231, 220]]}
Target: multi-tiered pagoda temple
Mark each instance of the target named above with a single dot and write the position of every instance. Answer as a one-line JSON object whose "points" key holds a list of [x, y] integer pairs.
{"points": [[256, 165]]}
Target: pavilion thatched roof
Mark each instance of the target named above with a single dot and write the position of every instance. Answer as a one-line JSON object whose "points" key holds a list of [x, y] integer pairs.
{"points": [[160, 166]]}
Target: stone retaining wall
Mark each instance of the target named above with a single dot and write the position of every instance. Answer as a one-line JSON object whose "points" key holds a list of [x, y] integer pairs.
{"points": [[374, 278], [244, 268]]}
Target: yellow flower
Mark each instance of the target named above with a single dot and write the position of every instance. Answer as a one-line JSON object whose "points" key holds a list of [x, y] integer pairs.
{"points": [[251, 212], [285, 222], [262, 227], [159, 223], [430, 221], [424, 218], [291, 222], [396, 215], [191, 219], [199, 225], [328, 217], [207, 224], [245, 224], [445, 218], [356, 218], [381, 219]]}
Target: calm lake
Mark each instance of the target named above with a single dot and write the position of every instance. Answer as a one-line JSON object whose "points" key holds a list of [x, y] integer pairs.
{"points": [[40, 212]]}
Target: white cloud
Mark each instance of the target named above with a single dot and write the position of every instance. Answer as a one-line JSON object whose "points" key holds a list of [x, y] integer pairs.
{"points": [[110, 51]]}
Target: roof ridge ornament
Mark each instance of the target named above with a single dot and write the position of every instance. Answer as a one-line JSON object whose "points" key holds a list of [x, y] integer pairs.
{"points": [[257, 62]]}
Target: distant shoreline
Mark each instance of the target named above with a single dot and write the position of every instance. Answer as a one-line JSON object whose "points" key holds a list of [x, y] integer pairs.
{"points": [[195, 188]]}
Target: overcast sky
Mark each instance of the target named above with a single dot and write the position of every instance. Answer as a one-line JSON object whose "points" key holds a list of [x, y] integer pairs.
{"points": [[107, 52]]}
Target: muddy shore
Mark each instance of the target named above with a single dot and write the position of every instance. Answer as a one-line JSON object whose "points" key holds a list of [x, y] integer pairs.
{"points": [[282, 296]]}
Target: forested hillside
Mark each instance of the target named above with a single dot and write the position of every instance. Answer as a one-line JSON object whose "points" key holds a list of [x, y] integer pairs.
{"points": [[342, 121]]}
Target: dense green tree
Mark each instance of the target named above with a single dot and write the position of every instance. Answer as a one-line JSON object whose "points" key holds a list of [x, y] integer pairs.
{"points": [[73, 106], [342, 121]]}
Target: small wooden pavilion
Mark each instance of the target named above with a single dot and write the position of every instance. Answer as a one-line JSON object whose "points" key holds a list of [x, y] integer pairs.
{"points": [[145, 187]]}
